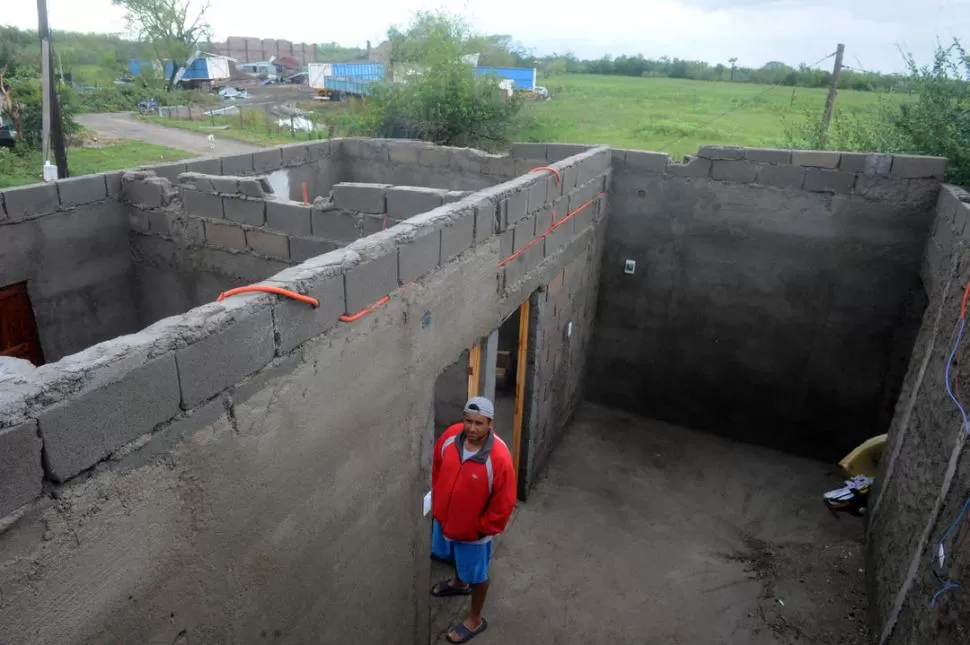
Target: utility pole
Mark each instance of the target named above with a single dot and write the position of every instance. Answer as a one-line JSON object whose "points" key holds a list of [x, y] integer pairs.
{"points": [[830, 99], [53, 130]]}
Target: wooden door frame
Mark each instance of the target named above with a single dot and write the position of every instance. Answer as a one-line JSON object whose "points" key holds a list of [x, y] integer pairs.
{"points": [[521, 371]]}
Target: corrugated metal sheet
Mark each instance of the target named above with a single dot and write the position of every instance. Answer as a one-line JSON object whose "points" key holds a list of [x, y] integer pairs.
{"points": [[523, 78]]}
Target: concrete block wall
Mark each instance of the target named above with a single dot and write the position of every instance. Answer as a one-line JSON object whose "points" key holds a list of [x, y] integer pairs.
{"points": [[416, 163], [776, 294], [219, 449], [924, 476], [68, 241]]}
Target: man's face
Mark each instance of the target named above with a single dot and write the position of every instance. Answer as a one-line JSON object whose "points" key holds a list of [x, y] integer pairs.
{"points": [[476, 426]]}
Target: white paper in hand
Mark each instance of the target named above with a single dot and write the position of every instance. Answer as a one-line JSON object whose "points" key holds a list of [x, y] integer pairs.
{"points": [[427, 503]]}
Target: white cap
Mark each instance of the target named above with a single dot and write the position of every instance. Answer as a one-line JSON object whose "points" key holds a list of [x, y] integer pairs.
{"points": [[480, 405]]}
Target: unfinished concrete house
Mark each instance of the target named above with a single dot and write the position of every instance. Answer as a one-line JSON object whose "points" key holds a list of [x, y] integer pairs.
{"points": [[185, 460]]}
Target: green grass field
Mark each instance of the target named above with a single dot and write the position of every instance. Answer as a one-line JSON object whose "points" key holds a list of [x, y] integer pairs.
{"points": [[673, 115], [17, 171]]}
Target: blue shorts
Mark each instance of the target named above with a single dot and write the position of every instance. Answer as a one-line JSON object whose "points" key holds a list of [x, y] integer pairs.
{"points": [[471, 560]]}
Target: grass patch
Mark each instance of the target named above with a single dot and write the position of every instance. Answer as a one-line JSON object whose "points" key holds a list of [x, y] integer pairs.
{"points": [[18, 171], [674, 115], [258, 128]]}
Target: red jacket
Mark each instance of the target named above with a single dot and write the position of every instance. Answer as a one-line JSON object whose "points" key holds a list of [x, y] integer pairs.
{"points": [[473, 499]]}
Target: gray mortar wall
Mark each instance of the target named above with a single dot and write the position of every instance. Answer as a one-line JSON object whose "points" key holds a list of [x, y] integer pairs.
{"points": [[224, 474], [776, 294], [924, 477], [416, 163], [68, 241]]}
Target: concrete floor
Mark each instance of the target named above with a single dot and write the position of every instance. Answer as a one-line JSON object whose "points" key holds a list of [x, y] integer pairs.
{"points": [[641, 532]]}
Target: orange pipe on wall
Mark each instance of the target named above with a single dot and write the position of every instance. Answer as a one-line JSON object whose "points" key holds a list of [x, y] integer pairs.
{"points": [[263, 288]]}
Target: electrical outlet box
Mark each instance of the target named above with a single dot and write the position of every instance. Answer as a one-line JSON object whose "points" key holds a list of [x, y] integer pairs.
{"points": [[630, 267]]}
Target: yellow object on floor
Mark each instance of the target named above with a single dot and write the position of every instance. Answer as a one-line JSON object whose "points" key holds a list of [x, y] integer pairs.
{"points": [[864, 460]]}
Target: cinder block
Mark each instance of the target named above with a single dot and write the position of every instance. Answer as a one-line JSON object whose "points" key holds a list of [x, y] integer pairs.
{"points": [[202, 204], [113, 182], [420, 256], [30, 201], [694, 167], [720, 152], [768, 155], [506, 243], [819, 180], [297, 323], [641, 161], [525, 231], [370, 224], [295, 155], [226, 236], [870, 164], [244, 211], [158, 223], [238, 165], [334, 225], [528, 150], [289, 217], [364, 198], [304, 248], [270, 244], [169, 171], [486, 220], [81, 190], [83, 430], [743, 172], [584, 218], [228, 185], [267, 160], [138, 220], [523, 263], [319, 150], [405, 201], [370, 281], [434, 157], [20, 471], [559, 151], [151, 192], [913, 167], [560, 236], [458, 235], [252, 187], [195, 181], [404, 152], [816, 158], [782, 176], [881, 188], [205, 166], [517, 207], [225, 356]]}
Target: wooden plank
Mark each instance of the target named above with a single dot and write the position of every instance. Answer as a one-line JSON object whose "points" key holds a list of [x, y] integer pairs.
{"points": [[474, 369], [520, 372]]}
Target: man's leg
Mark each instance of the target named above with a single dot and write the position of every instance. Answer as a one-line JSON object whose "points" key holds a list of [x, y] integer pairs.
{"points": [[472, 562]]}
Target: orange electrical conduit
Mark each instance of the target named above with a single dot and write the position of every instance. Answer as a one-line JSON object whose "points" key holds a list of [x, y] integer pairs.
{"points": [[262, 288], [548, 231], [549, 169]]}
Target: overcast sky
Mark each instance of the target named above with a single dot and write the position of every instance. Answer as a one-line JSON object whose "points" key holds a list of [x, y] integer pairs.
{"points": [[755, 31]]}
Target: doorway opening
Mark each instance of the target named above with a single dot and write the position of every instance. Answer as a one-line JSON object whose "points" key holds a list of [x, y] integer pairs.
{"points": [[18, 328]]}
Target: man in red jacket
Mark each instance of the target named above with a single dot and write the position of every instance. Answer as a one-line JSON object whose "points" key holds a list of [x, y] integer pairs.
{"points": [[473, 494]]}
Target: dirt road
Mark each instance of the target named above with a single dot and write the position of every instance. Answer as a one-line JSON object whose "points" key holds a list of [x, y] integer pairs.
{"points": [[123, 126]]}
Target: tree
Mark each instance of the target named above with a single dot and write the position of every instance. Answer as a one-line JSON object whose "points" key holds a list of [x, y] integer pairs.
{"points": [[173, 28], [733, 62], [445, 103]]}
